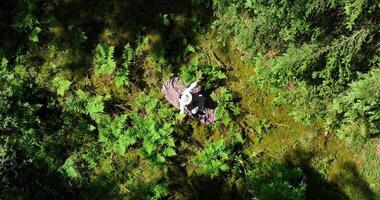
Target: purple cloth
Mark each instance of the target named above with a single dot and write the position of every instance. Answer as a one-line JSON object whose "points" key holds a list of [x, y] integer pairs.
{"points": [[173, 88]]}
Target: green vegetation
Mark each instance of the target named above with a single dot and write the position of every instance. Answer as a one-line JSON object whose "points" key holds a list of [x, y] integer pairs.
{"points": [[295, 86]]}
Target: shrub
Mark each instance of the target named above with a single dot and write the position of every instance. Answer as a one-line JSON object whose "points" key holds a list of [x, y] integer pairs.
{"points": [[357, 111]]}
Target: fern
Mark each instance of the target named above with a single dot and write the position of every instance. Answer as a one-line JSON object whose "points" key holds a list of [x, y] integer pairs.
{"points": [[61, 84], [113, 132], [157, 140], [150, 132], [25, 21], [155, 134], [226, 107], [121, 78], [104, 62], [95, 107], [69, 167], [194, 70], [77, 103], [128, 56], [82, 162], [212, 159], [160, 191], [125, 140]]}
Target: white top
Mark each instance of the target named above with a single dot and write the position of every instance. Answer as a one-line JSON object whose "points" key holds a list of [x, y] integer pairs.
{"points": [[186, 97]]}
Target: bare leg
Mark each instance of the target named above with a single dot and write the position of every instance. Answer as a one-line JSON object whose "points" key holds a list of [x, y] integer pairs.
{"points": [[201, 104]]}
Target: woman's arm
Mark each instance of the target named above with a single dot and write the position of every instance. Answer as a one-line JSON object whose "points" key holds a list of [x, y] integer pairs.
{"points": [[181, 106], [191, 87]]}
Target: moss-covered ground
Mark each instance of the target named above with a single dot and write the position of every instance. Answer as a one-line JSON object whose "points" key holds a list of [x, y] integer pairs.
{"points": [[334, 169]]}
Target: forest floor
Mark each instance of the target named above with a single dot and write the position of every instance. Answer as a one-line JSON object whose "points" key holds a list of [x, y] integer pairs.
{"points": [[61, 62], [333, 168]]}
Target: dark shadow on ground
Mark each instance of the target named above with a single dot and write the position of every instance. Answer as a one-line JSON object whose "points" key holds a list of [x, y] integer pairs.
{"points": [[77, 26], [355, 182], [37, 180], [39, 144], [318, 188], [34, 180]]}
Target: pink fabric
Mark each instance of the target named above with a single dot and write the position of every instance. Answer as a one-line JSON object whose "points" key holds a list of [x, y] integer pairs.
{"points": [[173, 88]]}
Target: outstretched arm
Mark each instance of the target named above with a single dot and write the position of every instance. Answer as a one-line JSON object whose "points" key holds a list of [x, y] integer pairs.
{"points": [[181, 106], [191, 87]]}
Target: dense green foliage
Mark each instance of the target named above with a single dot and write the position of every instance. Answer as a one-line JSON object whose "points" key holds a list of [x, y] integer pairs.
{"points": [[82, 115], [313, 50], [357, 109], [273, 181]]}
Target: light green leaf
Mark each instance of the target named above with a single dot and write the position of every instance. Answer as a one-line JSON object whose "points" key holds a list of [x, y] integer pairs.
{"points": [[33, 36], [169, 152]]}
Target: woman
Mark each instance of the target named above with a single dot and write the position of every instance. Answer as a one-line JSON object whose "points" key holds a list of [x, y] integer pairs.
{"points": [[193, 102]]}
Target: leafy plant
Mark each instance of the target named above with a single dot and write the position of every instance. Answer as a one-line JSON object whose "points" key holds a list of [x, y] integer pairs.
{"points": [[83, 103], [33, 36], [69, 167], [95, 107], [5, 75], [61, 84], [104, 62], [7, 166], [194, 70], [226, 108], [121, 78], [152, 130], [357, 110], [271, 180], [213, 159], [26, 21]]}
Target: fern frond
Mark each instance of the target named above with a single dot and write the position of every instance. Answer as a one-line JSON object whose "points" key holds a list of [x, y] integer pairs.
{"points": [[104, 62], [95, 107]]}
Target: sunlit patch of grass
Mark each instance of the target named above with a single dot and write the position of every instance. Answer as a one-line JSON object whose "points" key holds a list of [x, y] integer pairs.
{"points": [[282, 134], [371, 164]]}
